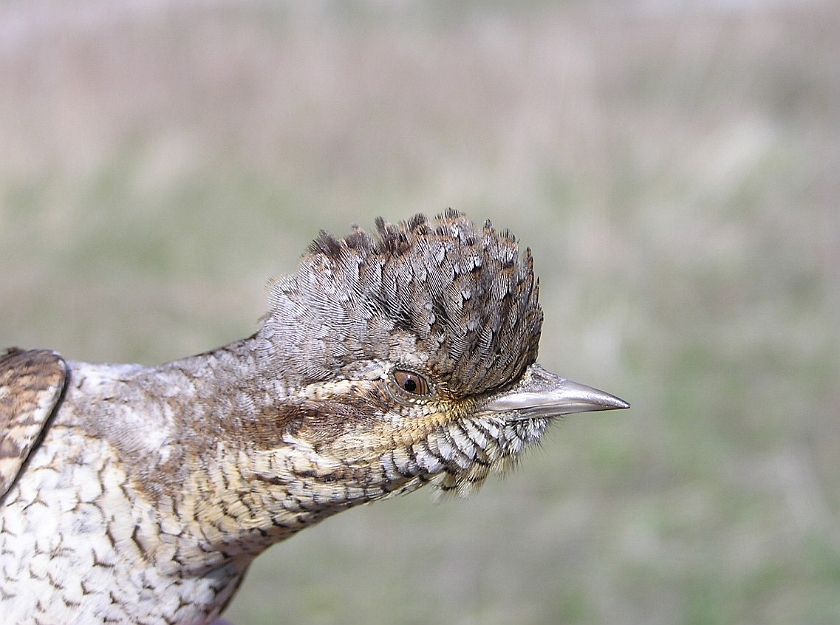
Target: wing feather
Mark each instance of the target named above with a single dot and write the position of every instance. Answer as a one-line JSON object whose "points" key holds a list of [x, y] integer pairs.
{"points": [[31, 385]]}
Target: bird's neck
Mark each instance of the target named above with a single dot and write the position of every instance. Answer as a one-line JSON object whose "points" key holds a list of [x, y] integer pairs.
{"points": [[245, 477]]}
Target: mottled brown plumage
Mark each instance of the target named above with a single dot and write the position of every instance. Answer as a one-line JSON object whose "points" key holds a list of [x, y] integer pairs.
{"points": [[30, 386], [133, 494]]}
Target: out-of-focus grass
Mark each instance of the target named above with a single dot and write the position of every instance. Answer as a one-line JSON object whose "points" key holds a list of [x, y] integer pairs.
{"points": [[675, 171]]}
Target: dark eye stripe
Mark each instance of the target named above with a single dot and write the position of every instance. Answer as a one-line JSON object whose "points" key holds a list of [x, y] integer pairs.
{"points": [[411, 382]]}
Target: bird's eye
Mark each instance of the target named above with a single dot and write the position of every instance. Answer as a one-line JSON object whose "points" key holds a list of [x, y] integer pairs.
{"points": [[411, 382]]}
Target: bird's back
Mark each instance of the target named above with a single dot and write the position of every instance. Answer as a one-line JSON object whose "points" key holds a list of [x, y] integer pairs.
{"points": [[80, 543]]}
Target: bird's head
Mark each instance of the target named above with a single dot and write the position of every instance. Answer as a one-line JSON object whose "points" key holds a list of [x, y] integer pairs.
{"points": [[410, 356]]}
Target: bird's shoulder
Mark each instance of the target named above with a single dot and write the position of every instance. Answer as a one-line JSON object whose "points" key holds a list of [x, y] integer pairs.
{"points": [[31, 386]]}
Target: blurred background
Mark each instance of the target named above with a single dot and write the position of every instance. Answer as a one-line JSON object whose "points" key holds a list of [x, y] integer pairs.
{"points": [[675, 167]]}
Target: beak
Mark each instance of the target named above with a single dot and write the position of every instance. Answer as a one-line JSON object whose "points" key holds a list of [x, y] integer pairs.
{"points": [[541, 394]]}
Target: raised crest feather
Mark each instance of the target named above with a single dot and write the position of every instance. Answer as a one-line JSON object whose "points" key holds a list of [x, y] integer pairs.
{"points": [[462, 296]]}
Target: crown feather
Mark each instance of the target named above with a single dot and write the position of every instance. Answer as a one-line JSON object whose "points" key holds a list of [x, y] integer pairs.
{"points": [[442, 296]]}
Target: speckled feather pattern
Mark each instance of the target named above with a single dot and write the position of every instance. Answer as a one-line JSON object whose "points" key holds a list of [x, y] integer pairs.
{"points": [[30, 385], [440, 295], [142, 494]]}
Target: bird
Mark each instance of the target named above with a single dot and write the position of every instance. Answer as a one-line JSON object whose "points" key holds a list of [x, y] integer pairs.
{"points": [[386, 362]]}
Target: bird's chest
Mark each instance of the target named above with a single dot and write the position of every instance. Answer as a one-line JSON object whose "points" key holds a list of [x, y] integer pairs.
{"points": [[77, 545]]}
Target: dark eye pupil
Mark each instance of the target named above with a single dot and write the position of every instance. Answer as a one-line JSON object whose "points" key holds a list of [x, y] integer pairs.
{"points": [[411, 382]]}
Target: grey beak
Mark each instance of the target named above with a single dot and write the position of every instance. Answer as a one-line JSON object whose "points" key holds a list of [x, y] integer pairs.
{"points": [[543, 394]]}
